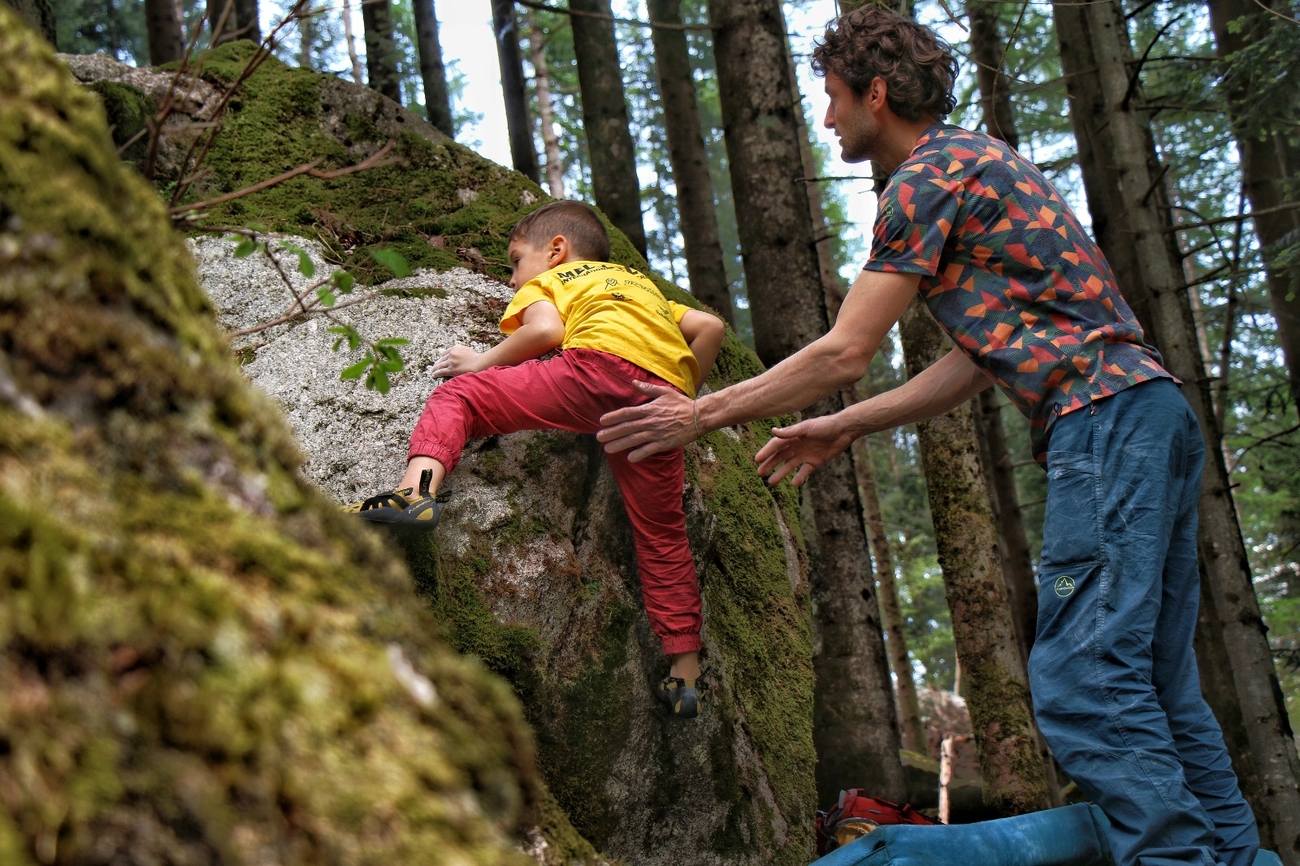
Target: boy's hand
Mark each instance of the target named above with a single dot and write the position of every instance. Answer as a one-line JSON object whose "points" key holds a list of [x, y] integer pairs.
{"points": [[457, 360]]}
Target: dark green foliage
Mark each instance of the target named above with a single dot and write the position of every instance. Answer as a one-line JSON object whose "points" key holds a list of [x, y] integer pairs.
{"points": [[115, 27]]}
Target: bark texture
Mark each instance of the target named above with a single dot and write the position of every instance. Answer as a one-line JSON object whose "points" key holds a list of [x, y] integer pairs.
{"points": [[996, 687], [433, 74], [163, 30], [1268, 164], [545, 113], [229, 20], [39, 15], [610, 149], [1129, 214], [381, 50], [523, 155], [891, 610], [855, 724], [690, 161]]}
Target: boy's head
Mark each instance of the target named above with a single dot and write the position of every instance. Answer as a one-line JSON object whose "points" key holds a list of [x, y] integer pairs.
{"points": [[872, 41], [555, 233]]}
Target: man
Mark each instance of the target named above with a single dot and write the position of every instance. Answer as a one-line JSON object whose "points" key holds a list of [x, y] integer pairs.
{"points": [[1008, 272]]}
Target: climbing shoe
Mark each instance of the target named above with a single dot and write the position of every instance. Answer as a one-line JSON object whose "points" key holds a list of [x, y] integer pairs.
{"points": [[681, 696], [397, 508]]}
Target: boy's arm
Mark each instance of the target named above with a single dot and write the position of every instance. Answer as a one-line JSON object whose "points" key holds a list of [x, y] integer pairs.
{"points": [[703, 333], [540, 331]]}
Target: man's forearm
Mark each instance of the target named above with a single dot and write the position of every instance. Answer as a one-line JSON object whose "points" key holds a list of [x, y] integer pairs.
{"points": [[939, 388], [798, 381]]}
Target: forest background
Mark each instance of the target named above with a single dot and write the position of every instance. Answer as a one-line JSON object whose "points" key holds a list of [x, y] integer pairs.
{"points": [[1213, 82]]}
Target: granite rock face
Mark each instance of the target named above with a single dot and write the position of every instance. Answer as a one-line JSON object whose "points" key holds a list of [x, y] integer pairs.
{"points": [[531, 571], [532, 568]]}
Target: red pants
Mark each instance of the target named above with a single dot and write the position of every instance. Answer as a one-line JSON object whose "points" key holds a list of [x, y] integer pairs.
{"points": [[570, 392]]}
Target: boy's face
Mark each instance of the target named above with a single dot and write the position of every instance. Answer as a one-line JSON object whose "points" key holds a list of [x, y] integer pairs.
{"points": [[528, 260]]}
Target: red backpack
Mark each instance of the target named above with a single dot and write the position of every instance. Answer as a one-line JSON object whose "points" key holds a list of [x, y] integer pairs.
{"points": [[857, 814]]}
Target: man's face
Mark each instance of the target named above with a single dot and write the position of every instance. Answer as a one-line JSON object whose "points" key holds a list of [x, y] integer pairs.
{"points": [[526, 262], [851, 118]]}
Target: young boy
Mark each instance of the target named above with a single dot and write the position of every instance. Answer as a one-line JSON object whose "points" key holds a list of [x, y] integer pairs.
{"points": [[614, 328]]}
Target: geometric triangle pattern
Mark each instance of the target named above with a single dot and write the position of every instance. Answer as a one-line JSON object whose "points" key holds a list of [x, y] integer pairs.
{"points": [[1011, 276]]}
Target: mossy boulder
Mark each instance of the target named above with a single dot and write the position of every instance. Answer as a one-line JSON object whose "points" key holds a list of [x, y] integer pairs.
{"points": [[532, 570], [200, 661]]}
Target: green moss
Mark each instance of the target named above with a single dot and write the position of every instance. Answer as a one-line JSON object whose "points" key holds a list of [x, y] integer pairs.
{"points": [[575, 760], [200, 656], [126, 107]]}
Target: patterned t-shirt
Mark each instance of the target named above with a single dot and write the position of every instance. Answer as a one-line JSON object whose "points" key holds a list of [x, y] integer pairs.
{"points": [[1010, 275]]}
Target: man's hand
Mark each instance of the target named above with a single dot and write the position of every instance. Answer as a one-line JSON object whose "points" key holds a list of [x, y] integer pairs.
{"points": [[457, 360], [803, 447], [666, 422]]}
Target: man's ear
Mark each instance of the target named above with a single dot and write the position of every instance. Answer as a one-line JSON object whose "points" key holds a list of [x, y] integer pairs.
{"points": [[878, 94]]}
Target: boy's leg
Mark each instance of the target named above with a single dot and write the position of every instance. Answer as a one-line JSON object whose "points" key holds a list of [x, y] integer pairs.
{"points": [[570, 392], [1115, 487], [1196, 732], [534, 395], [670, 590]]}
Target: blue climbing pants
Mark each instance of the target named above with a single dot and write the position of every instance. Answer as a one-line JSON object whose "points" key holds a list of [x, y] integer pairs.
{"points": [[1114, 680]]}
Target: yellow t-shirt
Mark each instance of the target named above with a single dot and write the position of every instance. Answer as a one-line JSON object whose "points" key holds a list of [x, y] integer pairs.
{"points": [[610, 308]]}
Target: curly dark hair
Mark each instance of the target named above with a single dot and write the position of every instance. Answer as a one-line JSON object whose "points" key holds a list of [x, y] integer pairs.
{"points": [[918, 66]]}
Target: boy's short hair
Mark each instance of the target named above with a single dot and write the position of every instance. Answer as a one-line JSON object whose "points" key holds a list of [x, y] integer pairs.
{"points": [[575, 220], [918, 66]]}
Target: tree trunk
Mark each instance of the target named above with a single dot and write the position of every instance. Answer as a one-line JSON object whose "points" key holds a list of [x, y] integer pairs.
{"points": [[604, 115], [1013, 543], [163, 30], [988, 49], [351, 41], [1266, 168], [1126, 199], [523, 155], [699, 219], [306, 40], [997, 690], [39, 15], [542, 80], [248, 18], [381, 51], [432, 73], [855, 727], [891, 611]]}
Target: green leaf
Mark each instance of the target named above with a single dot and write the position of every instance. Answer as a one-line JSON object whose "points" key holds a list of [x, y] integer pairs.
{"points": [[346, 333], [393, 341], [246, 248], [343, 281], [378, 380], [355, 371], [394, 261], [326, 297]]}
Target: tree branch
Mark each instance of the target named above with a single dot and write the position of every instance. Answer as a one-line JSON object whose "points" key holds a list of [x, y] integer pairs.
{"points": [[373, 161], [544, 7], [1235, 219]]}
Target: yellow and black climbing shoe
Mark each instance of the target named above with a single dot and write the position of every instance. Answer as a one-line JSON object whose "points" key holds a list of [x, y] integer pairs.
{"points": [[681, 696], [396, 508]]}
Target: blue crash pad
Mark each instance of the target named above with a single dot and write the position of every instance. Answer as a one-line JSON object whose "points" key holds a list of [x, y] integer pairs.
{"points": [[1068, 836]]}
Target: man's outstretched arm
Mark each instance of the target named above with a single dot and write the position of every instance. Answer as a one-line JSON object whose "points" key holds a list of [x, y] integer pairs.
{"points": [[809, 444], [828, 364]]}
